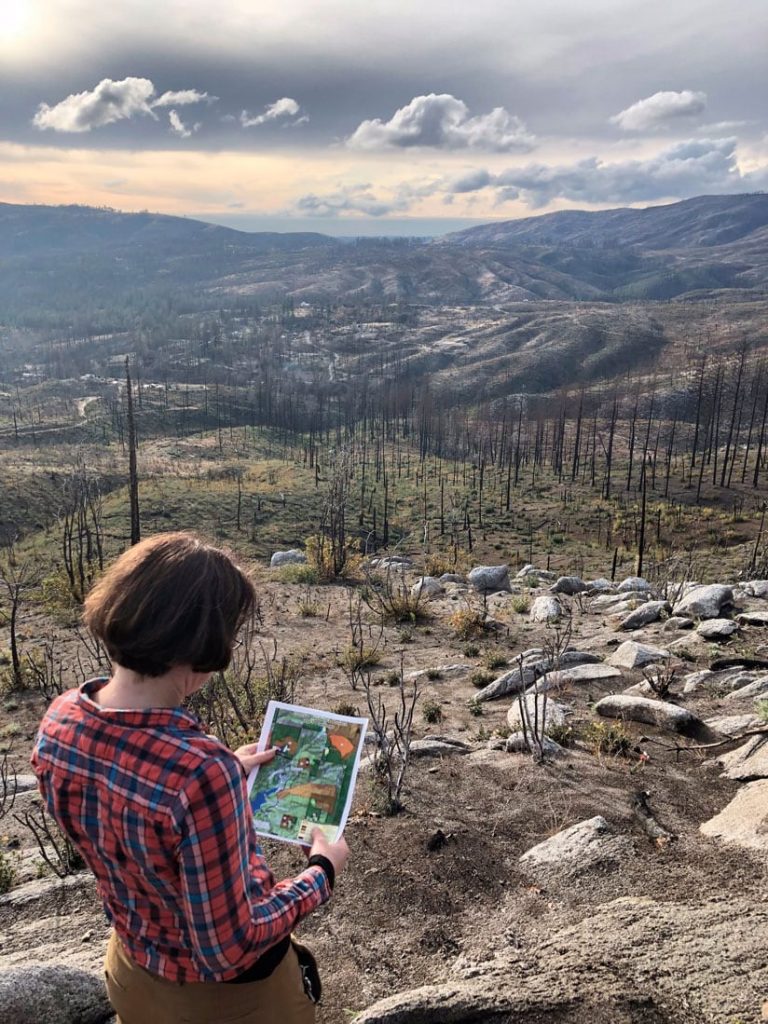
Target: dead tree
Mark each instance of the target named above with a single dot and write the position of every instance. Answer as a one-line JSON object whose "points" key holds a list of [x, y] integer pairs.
{"points": [[133, 477]]}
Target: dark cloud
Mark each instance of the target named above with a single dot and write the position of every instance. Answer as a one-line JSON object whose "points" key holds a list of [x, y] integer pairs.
{"points": [[353, 199], [689, 168]]}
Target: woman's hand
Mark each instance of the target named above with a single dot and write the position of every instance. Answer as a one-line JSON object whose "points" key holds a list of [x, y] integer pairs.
{"points": [[249, 756], [337, 853]]}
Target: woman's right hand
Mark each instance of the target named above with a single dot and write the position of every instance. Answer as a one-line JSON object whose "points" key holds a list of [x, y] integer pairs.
{"points": [[337, 853]]}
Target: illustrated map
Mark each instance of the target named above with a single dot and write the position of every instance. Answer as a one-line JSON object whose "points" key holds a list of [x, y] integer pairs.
{"points": [[311, 780]]}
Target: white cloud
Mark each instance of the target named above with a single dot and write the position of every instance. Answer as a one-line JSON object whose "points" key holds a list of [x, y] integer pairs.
{"points": [[282, 108], [179, 128], [659, 110], [694, 167], [109, 102], [443, 122], [182, 98]]}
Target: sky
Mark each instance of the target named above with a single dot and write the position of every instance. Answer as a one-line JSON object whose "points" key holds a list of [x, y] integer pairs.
{"points": [[361, 117]]}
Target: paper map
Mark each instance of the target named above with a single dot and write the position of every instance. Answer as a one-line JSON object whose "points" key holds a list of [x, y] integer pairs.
{"points": [[311, 780]]}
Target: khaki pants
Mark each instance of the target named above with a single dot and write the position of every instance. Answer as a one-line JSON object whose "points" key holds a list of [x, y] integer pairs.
{"points": [[139, 997]]}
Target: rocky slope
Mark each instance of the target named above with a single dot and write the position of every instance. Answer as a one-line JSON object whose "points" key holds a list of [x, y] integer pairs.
{"points": [[617, 878]]}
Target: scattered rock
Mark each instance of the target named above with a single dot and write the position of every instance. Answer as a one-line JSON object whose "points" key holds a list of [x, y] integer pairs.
{"points": [[422, 675], [755, 688], [634, 583], [542, 574], [632, 654], [649, 612], [489, 578], [546, 609], [676, 622], [537, 705], [753, 618], [704, 602], [452, 577], [535, 665], [745, 819], [756, 588], [652, 712], [717, 629], [392, 562], [52, 993], [719, 682], [577, 674], [747, 762], [569, 585], [583, 845], [438, 746], [427, 586], [292, 557], [518, 743], [600, 586], [732, 725], [24, 783]]}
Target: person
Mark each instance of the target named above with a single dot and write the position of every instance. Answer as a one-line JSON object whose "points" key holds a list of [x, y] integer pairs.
{"points": [[159, 810]]}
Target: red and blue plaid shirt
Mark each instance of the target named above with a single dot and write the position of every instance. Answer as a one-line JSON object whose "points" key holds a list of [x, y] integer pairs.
{"points": [[160, 812]]}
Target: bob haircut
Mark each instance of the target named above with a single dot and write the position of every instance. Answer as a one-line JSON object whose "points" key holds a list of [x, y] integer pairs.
{"points": [[170, 600]]}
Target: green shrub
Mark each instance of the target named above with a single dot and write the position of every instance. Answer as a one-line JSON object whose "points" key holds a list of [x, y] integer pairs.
{"points": [[495, 659], [521, 603], [471, 651], [432, 712], [475, 708], [481, 678], [346, 709], [433, 674], [608, 738], [298, 573], [467, 623], [7, 873]]}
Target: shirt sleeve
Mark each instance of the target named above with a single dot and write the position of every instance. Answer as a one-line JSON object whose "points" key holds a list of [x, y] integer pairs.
{"points": [[234, 911]]}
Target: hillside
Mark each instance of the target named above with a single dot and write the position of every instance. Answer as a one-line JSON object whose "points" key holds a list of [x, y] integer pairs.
{"points": [[73, 262]]}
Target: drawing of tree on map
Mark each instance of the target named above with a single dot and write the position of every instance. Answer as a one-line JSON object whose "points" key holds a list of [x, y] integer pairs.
{"points": [[311, 780]]}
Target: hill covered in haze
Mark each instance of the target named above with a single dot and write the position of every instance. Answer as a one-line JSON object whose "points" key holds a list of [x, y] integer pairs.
{"points": [[56, 262]]}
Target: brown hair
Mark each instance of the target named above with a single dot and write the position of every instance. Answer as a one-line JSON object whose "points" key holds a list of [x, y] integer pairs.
{"points": [[170, 600]]}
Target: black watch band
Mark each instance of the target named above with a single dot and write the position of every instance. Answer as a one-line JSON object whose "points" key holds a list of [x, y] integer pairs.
{"points": [[318, 860]]}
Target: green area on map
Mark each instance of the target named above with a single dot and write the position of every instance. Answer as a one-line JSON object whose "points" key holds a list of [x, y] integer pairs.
{"points": [[308, 782]]}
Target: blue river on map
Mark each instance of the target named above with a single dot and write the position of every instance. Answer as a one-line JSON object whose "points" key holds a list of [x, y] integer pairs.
{"points": [[259, 799]]}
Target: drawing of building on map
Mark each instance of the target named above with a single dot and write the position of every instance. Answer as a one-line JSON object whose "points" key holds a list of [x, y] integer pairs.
{"points": [[311, 780]]}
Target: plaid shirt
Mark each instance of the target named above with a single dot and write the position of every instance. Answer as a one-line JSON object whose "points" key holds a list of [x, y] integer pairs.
{"points": [[160, 812]]}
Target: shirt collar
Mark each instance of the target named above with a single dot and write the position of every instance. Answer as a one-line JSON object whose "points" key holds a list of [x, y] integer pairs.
{"points": [[133, 716]]}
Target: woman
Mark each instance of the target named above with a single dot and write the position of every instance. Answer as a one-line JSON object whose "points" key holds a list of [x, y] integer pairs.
{"points": [[159, 810]]}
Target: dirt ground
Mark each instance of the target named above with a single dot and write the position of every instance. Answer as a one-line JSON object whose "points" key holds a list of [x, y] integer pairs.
{"points": [[414, 906]]}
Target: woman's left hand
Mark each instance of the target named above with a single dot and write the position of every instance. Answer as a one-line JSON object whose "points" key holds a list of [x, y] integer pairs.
{"points": [[249, 756]]}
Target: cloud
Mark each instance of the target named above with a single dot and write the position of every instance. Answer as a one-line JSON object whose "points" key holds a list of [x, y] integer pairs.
{"points": [[183, 98], [659, 110], [694, 167], [179, 128], [109, 102], [350, 199], [443, 122], [471, 182], [283, 108]]}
